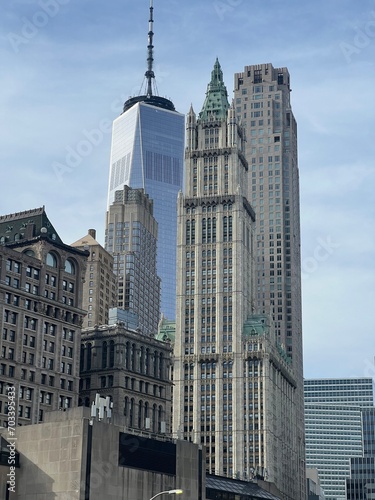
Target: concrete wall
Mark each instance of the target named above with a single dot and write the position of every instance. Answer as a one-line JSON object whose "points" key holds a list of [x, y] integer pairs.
{"points": [[51, 458], [56, 456]]}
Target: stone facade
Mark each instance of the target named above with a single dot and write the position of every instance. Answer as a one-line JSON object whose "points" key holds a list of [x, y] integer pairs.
{"points": [[133, 370], [40, 316], [131, 238], [234, 388], [262, 102], [72, 457], [100, 285]]}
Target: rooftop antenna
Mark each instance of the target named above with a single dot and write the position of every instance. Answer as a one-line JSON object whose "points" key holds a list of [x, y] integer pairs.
{"points": [[150, 52], [151, 95]]}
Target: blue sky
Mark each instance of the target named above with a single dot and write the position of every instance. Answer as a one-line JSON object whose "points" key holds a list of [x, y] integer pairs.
{"points": [[68, 65]]}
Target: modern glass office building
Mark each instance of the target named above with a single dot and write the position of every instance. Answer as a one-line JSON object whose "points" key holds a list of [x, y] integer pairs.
{"points": [[147, 152], [368, 431], [361, 485], [334, 428]]}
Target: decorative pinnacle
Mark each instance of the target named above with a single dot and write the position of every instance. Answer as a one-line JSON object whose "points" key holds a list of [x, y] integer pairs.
{"points": [[150, 52]]}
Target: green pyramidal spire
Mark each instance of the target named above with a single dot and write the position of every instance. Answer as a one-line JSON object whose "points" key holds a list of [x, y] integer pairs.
{"points": [[216, 103]]}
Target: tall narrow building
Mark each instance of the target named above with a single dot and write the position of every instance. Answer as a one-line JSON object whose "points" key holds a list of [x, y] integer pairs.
{"points": [[234, 388], [262, 101], [100, 285], [147, 152], [131, 238]]}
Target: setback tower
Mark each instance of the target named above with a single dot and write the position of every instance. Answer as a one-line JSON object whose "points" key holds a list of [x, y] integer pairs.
{"points": [[234, 388]]}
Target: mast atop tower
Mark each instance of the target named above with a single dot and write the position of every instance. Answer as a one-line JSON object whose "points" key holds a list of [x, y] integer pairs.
{"points": [[150, 97], [150, 52]]}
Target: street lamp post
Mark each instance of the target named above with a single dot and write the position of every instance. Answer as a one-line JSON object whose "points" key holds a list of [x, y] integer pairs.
{"points": [[168, 492]]}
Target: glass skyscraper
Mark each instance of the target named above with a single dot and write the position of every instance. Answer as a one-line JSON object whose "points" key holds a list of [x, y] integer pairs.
{"points": [[148, 152], [361, 485]]}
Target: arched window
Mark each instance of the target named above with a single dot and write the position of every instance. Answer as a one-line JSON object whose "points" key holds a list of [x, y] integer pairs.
{"points": [[69, 267], [188, 232], [230, 228], [131, 413], [51, 260], [154, 419], [142, 360], [127, 355], [160, 417], [89, 352], [112, 353], [82, 358], [161, 366], [132, 357], [29, 252], [140, 415], [155, 364], [147, 362], [104, 355], [193, 232], [204, 231]]}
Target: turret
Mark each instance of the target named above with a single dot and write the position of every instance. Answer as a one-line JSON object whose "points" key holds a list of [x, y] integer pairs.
{"points": [[191, 129], [232, 126]]}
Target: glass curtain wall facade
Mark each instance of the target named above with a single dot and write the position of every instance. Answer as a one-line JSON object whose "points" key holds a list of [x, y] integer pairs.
{"points": [[333, 428], [131, 237], [361, 485], [368, 431], [147, 152]]}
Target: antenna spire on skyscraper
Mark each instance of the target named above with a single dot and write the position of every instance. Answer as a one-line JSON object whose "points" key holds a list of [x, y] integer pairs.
{"points": [[151, 94], [150, 52]]}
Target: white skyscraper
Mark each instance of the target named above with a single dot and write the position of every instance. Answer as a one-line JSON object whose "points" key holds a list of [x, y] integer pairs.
{"points": [[234, 388]]}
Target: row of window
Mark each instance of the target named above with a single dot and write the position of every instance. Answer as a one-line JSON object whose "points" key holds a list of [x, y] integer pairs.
{"points": [[135, 358], [51, 260]]}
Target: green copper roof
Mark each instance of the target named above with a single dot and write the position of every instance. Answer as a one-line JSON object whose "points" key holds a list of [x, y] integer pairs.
{"points": [[216, 103], [257, 324], [166, 331]]}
